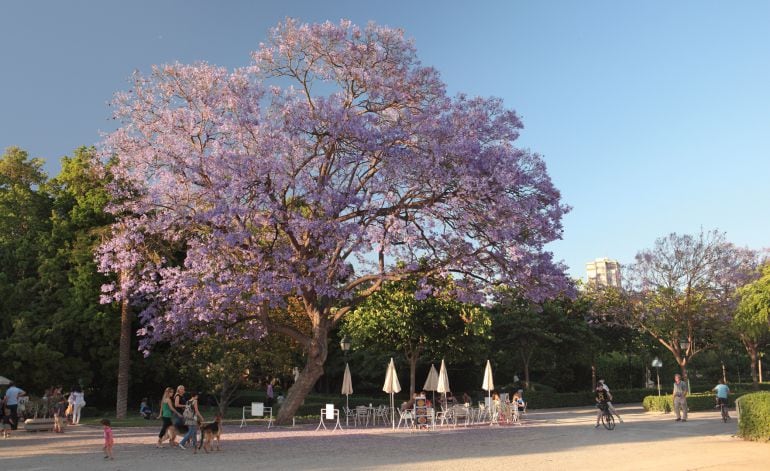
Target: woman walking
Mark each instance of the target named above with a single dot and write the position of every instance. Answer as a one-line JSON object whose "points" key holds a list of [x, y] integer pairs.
{"points": [[77, 400], [191, 417], [166, 414]]}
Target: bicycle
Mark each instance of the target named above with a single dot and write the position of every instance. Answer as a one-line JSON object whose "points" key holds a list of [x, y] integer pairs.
{"points": [[723, 409], [607, 419]]}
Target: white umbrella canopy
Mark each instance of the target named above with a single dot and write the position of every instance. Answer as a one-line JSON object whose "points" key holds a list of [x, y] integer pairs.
{"points": [[489, 383], [347, 390], [431, 383], [391, 387], [4, 381], [443, 379], [347, 382]]}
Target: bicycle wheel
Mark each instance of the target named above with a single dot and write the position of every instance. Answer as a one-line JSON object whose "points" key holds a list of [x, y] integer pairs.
{"points": [[725, 415], [608, 421]]}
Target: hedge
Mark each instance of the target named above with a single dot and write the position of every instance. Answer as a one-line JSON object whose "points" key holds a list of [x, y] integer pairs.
{"points": [[548, 400], [754, 417], [695, 402]]}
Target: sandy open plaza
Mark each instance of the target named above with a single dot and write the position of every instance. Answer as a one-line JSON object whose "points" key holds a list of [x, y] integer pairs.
{"points": [[548, 440]]}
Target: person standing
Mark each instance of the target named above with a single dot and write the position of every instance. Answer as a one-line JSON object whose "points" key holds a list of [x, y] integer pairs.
{"points": [[77, 400], [270, 394], [108, 439], [680, 398], [12, 396]]}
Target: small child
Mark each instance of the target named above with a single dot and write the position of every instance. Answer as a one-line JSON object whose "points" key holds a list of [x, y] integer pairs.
{"points": [[108, 440], [6, 419], [59, 411]]}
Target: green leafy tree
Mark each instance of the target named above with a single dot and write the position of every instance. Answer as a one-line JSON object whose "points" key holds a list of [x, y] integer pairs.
{"points": [[552, 334], [403, 317], [752, 318]]}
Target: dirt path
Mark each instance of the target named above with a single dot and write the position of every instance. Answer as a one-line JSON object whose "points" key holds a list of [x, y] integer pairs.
{"points": [[563, 439]]}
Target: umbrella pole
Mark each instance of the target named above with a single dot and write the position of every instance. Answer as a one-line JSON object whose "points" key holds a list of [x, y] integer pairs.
{"points": [[392, 413], [347, 407], [489, 395]]}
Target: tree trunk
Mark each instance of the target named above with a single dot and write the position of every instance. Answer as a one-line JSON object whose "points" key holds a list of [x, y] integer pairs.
{"points": [[753, 354], [526, 375], [124, 356], [314, 369], [413, 373]]}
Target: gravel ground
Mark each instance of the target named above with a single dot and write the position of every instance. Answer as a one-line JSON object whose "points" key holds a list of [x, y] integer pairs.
{"points": [[556, 439]]}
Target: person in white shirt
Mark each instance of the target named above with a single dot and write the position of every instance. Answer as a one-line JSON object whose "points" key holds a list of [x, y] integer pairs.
{"points": [[609, 403], [12, 395], [77, 401]]}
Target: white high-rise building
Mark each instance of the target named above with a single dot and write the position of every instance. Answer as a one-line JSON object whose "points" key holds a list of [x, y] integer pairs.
{"points": [[604, 272]]}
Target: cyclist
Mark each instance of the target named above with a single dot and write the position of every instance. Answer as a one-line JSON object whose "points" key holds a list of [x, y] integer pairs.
{"points": [[609, 403], [602, 398], [722, 392]]}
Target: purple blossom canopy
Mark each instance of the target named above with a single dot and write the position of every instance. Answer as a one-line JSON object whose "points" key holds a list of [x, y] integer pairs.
{"points": [[309, 173]]}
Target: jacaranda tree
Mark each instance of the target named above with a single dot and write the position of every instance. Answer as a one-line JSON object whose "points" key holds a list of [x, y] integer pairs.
{"points": [[304, 176]]}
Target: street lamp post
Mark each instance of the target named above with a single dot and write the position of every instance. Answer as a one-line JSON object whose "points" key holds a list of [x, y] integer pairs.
{"points": [[345, 346], [656, 363], [724, 375], [761, 354]]}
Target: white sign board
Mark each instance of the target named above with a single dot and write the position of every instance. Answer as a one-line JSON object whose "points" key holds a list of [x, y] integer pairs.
{"points": [[257, 409], [329, 411]]}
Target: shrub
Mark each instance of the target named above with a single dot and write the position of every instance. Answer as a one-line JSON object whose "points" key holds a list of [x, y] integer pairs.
{"points": [[547, 400], [754, 417]]}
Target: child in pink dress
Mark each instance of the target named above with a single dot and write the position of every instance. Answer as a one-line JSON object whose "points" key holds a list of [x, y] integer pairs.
{"points": [[108, 440]]}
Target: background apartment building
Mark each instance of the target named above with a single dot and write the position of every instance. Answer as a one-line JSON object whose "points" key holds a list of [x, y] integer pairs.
{"points": [[604, 272]]}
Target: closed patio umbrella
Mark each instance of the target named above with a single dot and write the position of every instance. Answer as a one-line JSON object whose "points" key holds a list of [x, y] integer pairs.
{"points": [[443, 380], [489, 384], [347, 390], [431, 383], [391, 387]]}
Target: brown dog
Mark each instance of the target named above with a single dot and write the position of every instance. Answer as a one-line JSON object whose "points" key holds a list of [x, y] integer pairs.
{"points": [[210, 431]]}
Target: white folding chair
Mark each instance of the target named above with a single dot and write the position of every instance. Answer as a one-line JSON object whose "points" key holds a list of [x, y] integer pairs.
{"points": [[329, 413], [362, 414], [405, 417]]}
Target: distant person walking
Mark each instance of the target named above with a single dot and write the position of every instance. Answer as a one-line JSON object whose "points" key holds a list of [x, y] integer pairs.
{"points": [[680, 398], [270, 394], [77, 400], [12, 396]]}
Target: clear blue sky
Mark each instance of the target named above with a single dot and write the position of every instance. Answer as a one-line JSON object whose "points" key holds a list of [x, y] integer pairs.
{"points": [[653, 117]]}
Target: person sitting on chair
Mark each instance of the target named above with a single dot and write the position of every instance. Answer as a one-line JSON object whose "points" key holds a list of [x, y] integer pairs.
{"points": [[145, 410]]}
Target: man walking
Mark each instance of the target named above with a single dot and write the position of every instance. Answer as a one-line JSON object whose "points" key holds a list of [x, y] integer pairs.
{"points": [[680, 398], [12, 396]]}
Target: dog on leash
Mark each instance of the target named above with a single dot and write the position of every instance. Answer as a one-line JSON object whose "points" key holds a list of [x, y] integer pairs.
{"points": [[175, 430], [210, 431]]}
